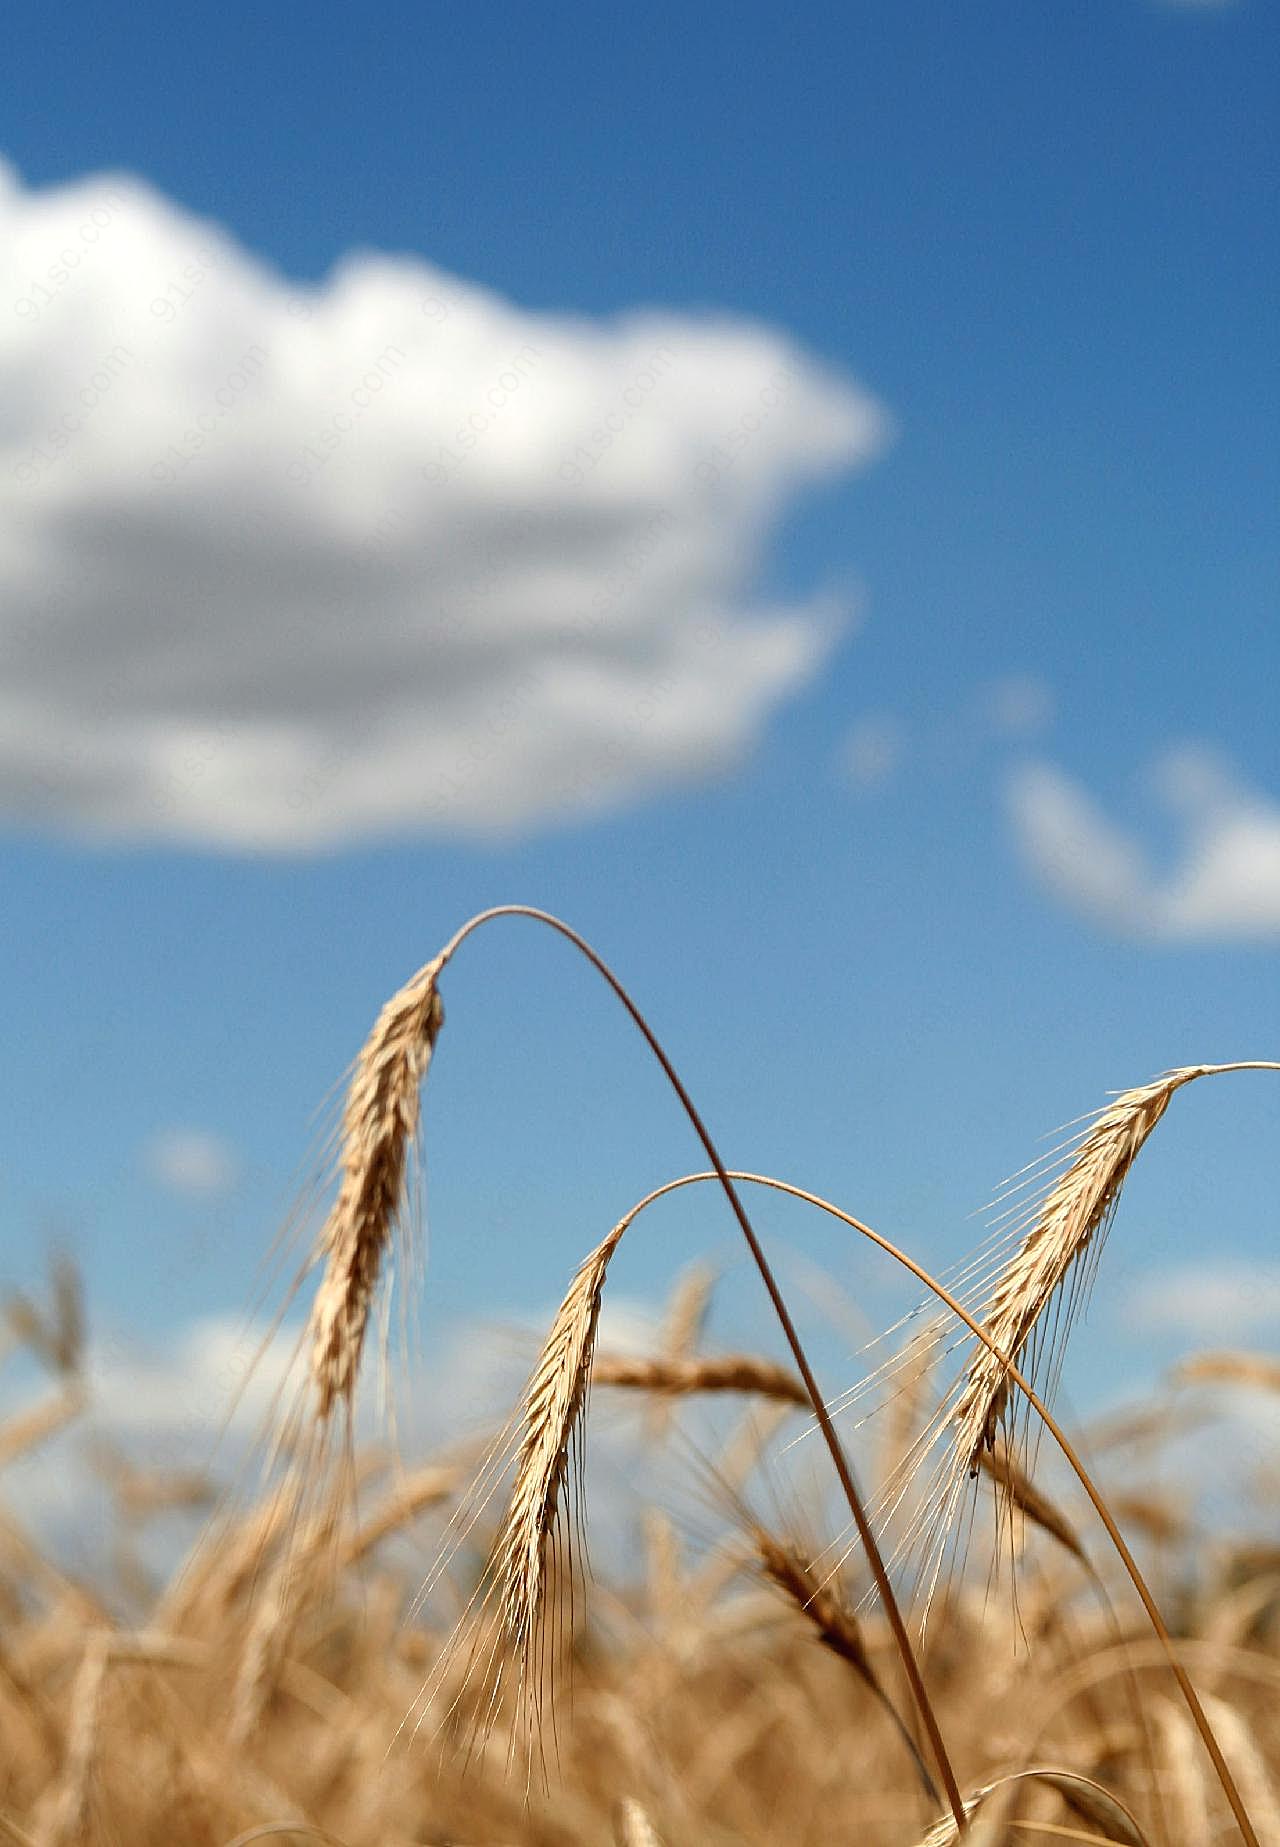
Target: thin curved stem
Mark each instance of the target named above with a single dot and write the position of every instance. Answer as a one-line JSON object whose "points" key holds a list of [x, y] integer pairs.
{"points": [[844, 1472], [1055, 1430]]}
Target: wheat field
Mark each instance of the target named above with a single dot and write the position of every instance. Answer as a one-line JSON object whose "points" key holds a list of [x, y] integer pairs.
{"points": [[984, 1626]]}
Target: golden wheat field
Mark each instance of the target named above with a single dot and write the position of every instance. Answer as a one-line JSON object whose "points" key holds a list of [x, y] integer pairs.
{"points": [[1009, 1631]]}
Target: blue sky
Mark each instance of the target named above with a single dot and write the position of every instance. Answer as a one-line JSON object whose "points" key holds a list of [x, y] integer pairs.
{"points": [[970, 813]]}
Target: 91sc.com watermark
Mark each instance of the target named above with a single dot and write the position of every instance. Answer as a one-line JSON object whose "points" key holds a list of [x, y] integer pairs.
{"points": [[63, 431]]}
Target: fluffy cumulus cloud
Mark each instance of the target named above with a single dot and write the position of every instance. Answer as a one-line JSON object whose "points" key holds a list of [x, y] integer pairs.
{"points": [[1224, 880], [282, 567]]}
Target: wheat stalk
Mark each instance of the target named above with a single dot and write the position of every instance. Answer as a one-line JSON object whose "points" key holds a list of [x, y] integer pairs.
{"points": [[995, 1803]]}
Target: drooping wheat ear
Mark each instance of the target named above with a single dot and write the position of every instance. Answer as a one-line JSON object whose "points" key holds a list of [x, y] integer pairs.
{"points": [[550, 1422], [1257, 1369], [837, 1628], [1065, 1228], [1019, 1491], [835, 1623], [379, 1125], [728, 1372]]}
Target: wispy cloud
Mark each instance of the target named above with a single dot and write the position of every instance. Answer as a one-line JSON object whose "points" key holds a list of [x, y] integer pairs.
{"points": [[286, 567], [1220, 1302], [192, 1163], [1223, 884], [1018, 705], [872, 750]]}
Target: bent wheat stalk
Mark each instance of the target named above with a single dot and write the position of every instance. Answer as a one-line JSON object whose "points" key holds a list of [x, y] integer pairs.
{"points": [[1055, 1430], [381, 1117]]}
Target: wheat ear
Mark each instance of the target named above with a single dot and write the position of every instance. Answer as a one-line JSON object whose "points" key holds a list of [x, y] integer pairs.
{"points": [[835, 1625], [1067, 1227], [550, 1419], [728, 1372], [379, 1125], [1254, 1369], [1026, 1386]]}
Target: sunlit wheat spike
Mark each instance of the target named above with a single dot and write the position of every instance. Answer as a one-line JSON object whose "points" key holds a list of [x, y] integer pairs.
{"points": [[379, 1125], [550, 1418], [1068, 1225]]}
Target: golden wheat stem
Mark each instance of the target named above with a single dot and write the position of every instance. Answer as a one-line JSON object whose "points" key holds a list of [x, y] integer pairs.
{"points": [[1055, 1430], [840, 1462]]}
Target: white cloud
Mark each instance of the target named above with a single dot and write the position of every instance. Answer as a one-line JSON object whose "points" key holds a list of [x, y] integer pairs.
{"points": [[192, 1162], [1219, 1302], [1019, 705], [1224, 883], [872, 750], [203, 1397], [284, 567]]}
